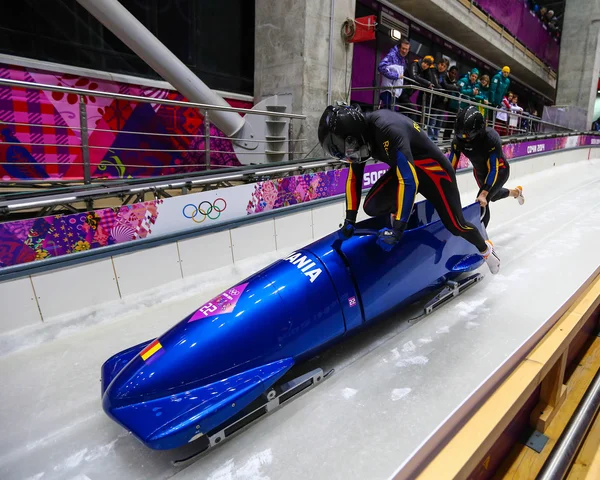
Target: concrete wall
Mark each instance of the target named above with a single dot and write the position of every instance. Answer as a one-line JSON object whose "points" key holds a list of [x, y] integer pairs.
{"points": [[292, 56], [76, 296], [579, 63]]}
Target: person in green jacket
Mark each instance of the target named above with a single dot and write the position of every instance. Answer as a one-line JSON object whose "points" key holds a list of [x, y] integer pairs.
{"points": [[499, 87], [469, 86], [483, 95], [484, 90]]}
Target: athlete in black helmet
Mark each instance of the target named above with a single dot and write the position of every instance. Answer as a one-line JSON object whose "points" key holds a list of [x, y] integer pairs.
{"points": [[483, 147], [416, 166]]}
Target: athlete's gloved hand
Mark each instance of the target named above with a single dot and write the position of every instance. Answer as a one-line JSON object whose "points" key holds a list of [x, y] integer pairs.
{"points": [[346, 230], [387, 238]]}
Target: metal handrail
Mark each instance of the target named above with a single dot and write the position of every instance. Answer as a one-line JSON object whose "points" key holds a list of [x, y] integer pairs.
{"points": [[85, 146], [461, 98], [19, 201], [137, 98]]}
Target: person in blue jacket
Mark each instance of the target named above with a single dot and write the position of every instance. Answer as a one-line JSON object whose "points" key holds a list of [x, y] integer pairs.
{"points": [[393, 68], [469, 86], [499, 87]]}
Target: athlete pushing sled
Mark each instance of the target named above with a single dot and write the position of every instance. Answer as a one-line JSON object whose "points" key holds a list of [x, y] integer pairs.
{"points": [[416, 166], [483, 147]]}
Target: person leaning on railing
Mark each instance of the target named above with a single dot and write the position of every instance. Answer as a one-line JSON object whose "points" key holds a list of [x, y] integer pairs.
{"points": [[448, 83], [439, 103], [420, 72], [392, 69], [483, 94], [469, 86], [499, 87]]}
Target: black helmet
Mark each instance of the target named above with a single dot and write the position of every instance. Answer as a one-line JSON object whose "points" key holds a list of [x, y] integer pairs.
{"points": [[469, 123], [342, 133]]}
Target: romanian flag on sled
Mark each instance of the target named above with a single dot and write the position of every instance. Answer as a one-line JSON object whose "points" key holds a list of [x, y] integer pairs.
{"points": [[152, 352]]}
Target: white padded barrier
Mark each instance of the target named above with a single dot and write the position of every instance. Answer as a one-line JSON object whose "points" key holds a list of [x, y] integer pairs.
{"points": [[146, 269], [76, 288], [327, 218], [593, 153], [42, 297], [19, 305], [293, 229], [203, 254], [254, 239]]}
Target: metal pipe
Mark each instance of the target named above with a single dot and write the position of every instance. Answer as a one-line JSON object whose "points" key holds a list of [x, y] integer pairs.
{"points": [[136, 36], [562, 455], [330, 68], [85, 151], [206, 140]]}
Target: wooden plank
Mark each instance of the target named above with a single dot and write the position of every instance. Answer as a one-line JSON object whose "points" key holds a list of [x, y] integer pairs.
{"points": [[476, 438], [523, 463], [552, 395], [469, 446], [480, 14], [496, 26]]}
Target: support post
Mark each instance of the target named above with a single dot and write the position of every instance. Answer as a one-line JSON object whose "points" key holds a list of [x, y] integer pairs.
{"points": [[552, 395], [206, 140], [136, 36], [85, 151]]}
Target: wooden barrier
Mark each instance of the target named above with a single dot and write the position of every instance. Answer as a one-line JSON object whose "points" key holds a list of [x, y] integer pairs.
{"points": [[544, 367]]}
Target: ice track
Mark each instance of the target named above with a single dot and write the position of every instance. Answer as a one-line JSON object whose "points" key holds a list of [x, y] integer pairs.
{"points": [[393, 384]]}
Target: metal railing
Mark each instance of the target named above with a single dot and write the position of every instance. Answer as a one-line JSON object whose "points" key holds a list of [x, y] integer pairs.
{"points": [[433, 113], [47, 201], [83, 143], [434, 120]]}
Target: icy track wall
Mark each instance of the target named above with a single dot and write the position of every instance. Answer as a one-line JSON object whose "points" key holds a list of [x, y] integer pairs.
{"points": [[52, 121], [189, 263], [40, 239]]}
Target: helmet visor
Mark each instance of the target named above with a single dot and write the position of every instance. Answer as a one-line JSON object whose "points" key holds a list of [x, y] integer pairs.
{"points": [[345, 149], [468, 136]]}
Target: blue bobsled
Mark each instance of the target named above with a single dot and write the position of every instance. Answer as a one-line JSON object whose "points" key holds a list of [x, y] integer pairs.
{"points": [[224, 365]]}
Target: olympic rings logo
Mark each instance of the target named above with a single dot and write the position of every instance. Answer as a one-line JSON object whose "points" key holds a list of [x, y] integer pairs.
{"points": [[204, 210]]}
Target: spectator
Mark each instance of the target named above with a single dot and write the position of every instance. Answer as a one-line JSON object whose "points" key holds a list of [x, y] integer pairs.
{"points": [[439, 103], [393, 68], [596, 125], [484, 90], [483, 95], [448, 83], [419, 73], [502, 117], [499, 87], [534, 124], [513, 119], [469, 86]]}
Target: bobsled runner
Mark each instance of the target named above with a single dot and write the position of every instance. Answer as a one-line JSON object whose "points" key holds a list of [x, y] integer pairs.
{"points": [[228, 363]]}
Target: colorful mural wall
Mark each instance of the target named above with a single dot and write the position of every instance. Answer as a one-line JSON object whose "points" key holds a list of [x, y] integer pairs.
{"points": [[51, 121], [32, 240]]}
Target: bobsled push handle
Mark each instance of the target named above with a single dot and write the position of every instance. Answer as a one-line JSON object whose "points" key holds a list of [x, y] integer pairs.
{"points": [[337, 243], [365, 231]]}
